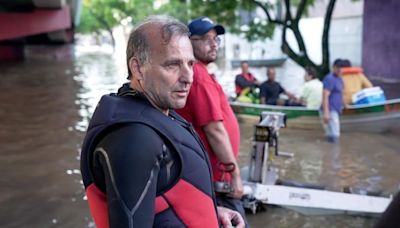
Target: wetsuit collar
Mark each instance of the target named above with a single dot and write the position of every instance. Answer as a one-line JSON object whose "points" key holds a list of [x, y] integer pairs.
{"points": [[126, 90]]}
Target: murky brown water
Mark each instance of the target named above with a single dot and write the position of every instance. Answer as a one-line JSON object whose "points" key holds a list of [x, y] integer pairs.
{"points": [[44, 110]]}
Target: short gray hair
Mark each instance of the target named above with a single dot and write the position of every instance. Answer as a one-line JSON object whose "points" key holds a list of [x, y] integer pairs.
{"points": [[138, 43]]}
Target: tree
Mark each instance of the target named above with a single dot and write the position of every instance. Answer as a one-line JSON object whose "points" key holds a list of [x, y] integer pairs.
{"points": [[228, 11], [99, 15]]}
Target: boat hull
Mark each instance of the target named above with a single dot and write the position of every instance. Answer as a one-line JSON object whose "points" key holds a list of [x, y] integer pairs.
{"points": [[378, 117]]}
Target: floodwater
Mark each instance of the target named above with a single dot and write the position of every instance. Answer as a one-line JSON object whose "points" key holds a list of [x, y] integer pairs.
{"points": [[45, 105]]}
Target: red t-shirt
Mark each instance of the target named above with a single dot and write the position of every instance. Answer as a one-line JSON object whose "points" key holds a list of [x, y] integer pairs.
{"points": [[207, 103]]}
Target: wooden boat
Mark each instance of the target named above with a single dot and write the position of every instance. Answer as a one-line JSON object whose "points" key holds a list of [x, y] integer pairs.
{"points": [[377, 117]]}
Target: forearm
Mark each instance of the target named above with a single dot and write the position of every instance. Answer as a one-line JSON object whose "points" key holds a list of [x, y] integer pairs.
{"points": [[290, 95], [262, 100], [218, 139], [244, 83], [325, 101], [302, 101], [366, 83]]}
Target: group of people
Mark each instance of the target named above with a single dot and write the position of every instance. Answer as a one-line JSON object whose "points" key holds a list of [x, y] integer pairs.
{"points": [[311, 96], [156, 149], [270, 90], [330, 96]]}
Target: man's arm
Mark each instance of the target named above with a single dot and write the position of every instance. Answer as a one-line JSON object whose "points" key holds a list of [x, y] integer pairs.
{"points": [[126, 170], [263, 100], [219, 141], [365, 82], [242, 82], [304, 95], [263, 94], [290, 95], [325, 105]]}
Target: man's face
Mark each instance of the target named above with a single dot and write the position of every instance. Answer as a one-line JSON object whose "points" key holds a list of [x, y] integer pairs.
{"points": [[168, 74], [245, 67], [206, 46], [307, 77], [336, 70], [271, 74]]}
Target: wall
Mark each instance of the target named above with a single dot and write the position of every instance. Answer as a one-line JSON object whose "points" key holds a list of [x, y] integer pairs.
{"points": [[345, 39], [381, 40]]}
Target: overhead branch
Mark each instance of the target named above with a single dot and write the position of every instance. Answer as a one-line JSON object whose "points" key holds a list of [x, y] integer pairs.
{"points": [[300, 10], [265, 9], [294, 26], [301, 59], [299, 38], [287, 49], [288, 12]]}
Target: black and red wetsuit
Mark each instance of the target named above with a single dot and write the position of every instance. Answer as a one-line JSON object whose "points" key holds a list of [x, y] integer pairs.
{"points": [[142, 168]]}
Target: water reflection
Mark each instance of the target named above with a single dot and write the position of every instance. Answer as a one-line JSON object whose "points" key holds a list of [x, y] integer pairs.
{"points": [[98, 75]]}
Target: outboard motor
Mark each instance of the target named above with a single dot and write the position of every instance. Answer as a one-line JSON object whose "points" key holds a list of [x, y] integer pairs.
{"points": [[266, 146]]}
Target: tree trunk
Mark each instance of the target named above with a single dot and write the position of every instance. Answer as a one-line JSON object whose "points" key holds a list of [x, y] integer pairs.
{"points": [[107, 26], [288, 22], [109, 30], [323, 69]]}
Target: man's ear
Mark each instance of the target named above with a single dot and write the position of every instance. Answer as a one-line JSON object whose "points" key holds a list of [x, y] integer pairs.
{"points": [[134, 66]]}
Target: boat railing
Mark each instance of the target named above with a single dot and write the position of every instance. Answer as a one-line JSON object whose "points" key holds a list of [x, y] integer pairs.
{"points": [[273, 107]]}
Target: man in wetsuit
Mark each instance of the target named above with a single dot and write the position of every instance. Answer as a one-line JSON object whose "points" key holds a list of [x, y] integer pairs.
{"points": [[142, 164]]}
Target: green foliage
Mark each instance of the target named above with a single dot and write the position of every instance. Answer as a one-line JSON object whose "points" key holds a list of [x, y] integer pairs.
{"points": [[100, 15], [295, 3], [223, 11], [177, 9], [88, 22], [259, 30], [232, 14]]}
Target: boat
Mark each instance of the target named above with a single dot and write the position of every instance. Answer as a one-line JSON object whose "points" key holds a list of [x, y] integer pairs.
{"points": [[376, 117]]}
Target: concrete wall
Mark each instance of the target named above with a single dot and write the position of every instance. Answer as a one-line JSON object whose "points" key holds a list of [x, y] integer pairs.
{"points": [[343, 8], [345, 39], [381, 40]]}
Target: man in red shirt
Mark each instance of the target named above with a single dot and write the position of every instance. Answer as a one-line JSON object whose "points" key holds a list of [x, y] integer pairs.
{"points": [[245, 79], [207, 108]]}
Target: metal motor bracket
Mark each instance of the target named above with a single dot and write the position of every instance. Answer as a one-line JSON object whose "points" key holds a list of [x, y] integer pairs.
{"points": [[265, 146]]}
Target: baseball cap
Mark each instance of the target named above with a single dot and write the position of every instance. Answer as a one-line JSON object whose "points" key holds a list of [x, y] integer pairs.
{"points": [[202, 25]]}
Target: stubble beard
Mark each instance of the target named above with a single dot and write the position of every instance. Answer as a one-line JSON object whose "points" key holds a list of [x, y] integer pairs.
{"points": [[207, 57]]}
